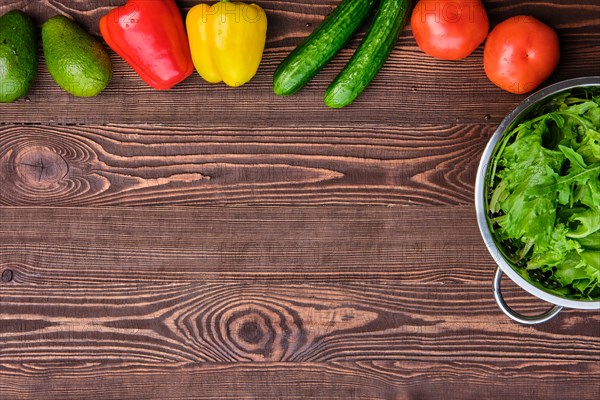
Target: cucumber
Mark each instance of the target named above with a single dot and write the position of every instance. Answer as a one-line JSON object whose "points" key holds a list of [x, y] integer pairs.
{"points": [[302, 64], [371, 54]]}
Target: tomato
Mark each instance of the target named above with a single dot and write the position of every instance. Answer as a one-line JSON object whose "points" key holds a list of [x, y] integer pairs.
{"points": [[520, 54], [449, 29]]}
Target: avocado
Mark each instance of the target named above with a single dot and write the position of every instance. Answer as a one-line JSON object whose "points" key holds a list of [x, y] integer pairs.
{"points": [[18, 55], [76, 60]]}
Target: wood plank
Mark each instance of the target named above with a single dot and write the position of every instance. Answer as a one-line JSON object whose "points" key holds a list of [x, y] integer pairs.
{"points": [[149, 285], [174, 244], [366, 380], [228, 165], [358, 320], [412, 87]]}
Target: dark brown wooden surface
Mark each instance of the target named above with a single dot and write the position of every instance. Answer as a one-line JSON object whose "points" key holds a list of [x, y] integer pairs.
{"points": [[207, 242]]}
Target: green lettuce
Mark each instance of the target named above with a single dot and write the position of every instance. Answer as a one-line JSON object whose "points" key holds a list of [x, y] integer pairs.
{"points": [[544, 197]]}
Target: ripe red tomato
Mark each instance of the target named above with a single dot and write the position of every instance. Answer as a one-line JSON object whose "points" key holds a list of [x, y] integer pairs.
{"points": [[449, 29], [520, 54]]}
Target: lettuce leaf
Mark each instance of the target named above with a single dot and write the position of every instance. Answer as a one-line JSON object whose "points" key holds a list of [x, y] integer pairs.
{"points": [[544, 198]]}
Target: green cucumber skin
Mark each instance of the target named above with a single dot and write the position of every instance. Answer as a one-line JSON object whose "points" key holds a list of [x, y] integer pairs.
{"points": [[371, 55], [302, 64]]}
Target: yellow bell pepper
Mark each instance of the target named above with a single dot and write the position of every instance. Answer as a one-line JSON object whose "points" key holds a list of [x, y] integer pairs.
{"points": [[227, 40]]}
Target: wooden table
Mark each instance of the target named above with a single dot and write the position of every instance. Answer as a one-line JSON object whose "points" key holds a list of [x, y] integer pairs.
{"points": [[207, 242]]}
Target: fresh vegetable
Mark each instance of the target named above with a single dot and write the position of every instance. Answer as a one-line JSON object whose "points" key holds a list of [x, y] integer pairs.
{"points": [[18, 55], [77, 61], [449, 29], [319, 48], [227, 41], [151, 37], [520, 54], [372, 53], [544, 198]]}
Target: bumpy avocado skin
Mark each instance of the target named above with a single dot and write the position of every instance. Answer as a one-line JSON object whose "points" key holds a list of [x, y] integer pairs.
{"points": [[18, 55], [77, 61]]}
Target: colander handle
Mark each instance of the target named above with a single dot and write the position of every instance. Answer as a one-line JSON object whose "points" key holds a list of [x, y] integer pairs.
{"points": [[515, 316]]}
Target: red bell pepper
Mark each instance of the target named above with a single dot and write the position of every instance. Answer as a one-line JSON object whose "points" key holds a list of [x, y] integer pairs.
{"points": [[151, 37]]}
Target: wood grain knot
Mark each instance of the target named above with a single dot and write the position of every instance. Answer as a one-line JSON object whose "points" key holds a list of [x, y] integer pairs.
{"points": [[7, 275], [259, 332], [40, 167], [33, 172], [251, 332], [249, 327]]}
